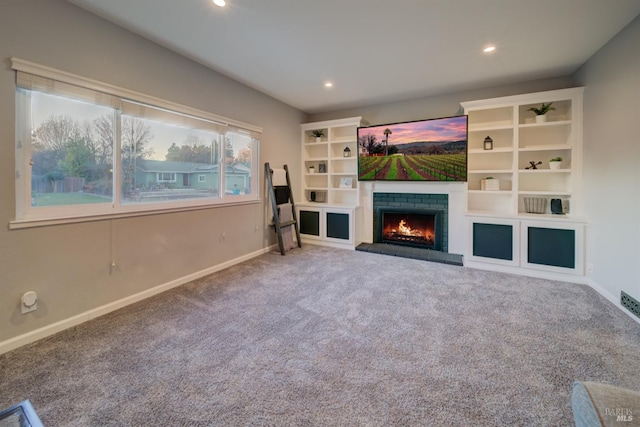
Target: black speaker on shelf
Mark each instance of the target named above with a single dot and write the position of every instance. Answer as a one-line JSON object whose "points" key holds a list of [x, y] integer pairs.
{"points": [[559, 206]]}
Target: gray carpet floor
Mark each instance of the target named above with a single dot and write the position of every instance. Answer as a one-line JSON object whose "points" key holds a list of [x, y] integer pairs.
{"points": [[325, 337]]}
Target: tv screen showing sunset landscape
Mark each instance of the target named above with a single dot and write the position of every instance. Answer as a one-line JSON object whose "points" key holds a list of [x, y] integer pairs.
{"points": [[425, 150]]}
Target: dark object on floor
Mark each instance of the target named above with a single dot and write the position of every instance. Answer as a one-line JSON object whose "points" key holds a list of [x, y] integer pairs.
{"points": [[20, 415]]}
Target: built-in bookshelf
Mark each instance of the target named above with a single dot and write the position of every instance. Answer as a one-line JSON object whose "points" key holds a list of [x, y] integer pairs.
{"points": [[511, 226], [519, 141], [329, 210], [330, 162]]}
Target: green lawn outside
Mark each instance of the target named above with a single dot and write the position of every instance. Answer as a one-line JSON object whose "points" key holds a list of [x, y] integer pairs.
{"points": [[61, 199]]}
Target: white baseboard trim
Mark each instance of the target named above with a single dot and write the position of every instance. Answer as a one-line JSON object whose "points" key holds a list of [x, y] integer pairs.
{"points": [[615, 301], [38, 334]]}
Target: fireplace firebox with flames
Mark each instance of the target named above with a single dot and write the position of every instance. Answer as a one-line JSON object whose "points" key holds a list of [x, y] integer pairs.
{"points": [[412, 228]]}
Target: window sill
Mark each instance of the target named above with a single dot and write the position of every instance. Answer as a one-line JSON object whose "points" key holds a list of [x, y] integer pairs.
{"points": [[45, 222]]}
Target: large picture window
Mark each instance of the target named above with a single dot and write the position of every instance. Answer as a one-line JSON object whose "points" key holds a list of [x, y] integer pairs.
{"points": [[84, 152]]}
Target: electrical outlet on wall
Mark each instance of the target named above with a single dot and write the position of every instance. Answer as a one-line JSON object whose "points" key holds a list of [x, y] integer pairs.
{"points": [[28, 302], [590, 268], [630, 303]]}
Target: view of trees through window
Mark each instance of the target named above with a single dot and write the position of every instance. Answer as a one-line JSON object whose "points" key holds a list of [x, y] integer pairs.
{"points": [[71, 151], [74, 142]]}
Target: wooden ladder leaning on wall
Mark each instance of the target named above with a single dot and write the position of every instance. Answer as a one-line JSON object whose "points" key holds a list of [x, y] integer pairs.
{"points": [[283, 207]]}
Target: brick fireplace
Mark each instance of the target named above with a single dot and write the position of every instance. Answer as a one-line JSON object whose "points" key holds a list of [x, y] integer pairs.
{"points": [[411, 219]]}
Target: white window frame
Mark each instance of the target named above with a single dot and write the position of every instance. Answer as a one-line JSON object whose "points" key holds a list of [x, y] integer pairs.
{"points": [[202, 178], [27, 216], [160, 177]]}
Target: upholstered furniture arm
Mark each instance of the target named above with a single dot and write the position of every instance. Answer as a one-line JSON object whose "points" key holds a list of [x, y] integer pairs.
{"points": [[597, 404]]}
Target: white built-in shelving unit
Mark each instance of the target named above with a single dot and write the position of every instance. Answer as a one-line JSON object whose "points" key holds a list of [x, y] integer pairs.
{"points": [[328, 185], [519, 139], [330, 192]]}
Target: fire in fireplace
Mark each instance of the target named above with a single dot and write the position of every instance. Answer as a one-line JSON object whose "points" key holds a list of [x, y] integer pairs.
{"points": [[410, 228]]}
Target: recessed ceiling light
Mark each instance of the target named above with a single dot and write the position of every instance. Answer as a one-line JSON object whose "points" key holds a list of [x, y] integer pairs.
{"points": [[328, 84], [219, 2], [489, 49]]}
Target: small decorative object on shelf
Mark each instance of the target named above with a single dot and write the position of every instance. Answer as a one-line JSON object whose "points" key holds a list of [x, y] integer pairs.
{"points": [[533, 165], [346, 152], [488, 143], [318, 196], [555, 163], [490, 184], [536, 205], [559, 206], [540, 112], [318, 133], [346, 182], [322, 167], [312, 169]]}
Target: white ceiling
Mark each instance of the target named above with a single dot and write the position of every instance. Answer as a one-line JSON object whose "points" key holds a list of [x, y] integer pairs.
{"points": [[372, 50]]}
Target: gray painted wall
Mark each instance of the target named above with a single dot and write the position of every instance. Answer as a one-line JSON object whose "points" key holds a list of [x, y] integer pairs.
{"points": [[69, 265], [611, 183]]}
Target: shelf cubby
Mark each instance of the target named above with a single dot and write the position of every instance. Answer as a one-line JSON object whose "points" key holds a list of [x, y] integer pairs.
{"points": [[491, 119], [502, 139], [562, 111]]}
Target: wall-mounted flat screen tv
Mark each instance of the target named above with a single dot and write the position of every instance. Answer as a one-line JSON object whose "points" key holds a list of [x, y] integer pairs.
{"points": [[423, 150]]}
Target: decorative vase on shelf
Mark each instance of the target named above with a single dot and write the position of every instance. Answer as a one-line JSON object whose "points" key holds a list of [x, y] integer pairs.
{"points": [[318, 134], [312, 169], [555, 163], [541, 111]]}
